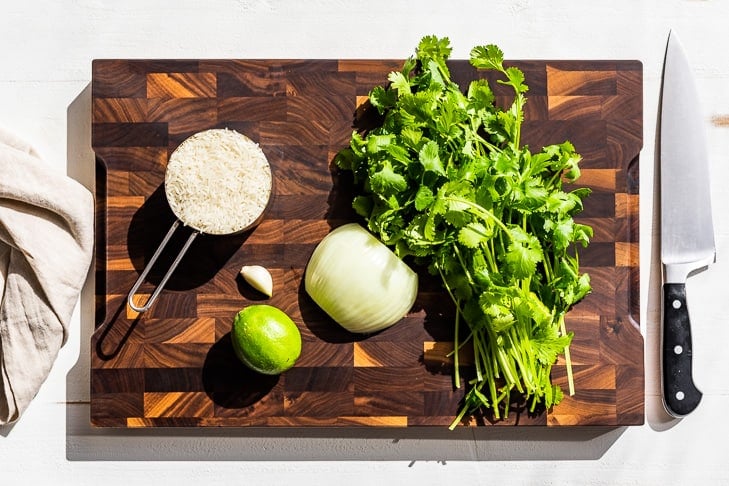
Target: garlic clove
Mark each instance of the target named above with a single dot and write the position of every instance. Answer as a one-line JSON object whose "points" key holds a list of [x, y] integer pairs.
{"points": [[259, 278]]}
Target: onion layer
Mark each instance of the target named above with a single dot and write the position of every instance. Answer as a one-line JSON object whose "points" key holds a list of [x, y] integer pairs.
{"points": [[358, 281]]}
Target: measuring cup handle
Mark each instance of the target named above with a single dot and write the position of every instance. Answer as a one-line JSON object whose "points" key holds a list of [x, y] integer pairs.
{"points": [[143, 275]]}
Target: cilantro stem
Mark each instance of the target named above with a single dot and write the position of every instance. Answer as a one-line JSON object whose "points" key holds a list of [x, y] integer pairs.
{"points": [[479, 352], [480, 211], [489, 367], [476, 137], [518, 106], [555, 177], [516, 347], [456, 344], [490, 256], [508, 367], [456, 364], [567, 358], [466, 271], [459, 417]]}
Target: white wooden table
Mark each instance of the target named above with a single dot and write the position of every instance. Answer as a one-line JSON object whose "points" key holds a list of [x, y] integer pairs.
{"points": [[46, 53]]}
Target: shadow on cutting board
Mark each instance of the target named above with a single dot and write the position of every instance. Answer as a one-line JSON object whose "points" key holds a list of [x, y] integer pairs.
{"points": [[207, 255], [229, 383]]}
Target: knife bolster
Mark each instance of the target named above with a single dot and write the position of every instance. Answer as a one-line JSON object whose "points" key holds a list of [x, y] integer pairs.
{"points": [[679, 272]]}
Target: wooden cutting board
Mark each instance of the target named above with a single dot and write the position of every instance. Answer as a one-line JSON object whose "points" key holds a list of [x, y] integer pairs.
{"points": [[174, 365]]}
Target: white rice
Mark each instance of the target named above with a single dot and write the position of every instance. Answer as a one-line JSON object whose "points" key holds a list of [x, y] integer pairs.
{"points": [[218, 181]]}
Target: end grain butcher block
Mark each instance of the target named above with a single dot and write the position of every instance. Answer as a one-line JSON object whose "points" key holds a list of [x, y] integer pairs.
{"points": [[174, 365]]}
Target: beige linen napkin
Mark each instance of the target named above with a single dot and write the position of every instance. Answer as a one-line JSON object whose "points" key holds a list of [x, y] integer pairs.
{"points": [[46, 243]]}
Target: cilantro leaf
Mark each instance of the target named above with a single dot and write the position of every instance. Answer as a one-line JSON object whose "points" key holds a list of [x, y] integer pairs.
{"points": [[430, 159], [399, 83], [377, 143], [562, 232], [515, 79], [480, 95], [386, 181], [432, 47], [382, 99], [362, 206], [523, 253], [474, 234], [424, 198], [435, 50], [487, 57], [411, 137], [582, 234]]}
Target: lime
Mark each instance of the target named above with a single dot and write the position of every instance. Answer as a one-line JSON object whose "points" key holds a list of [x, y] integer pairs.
{"points": [[266, 339]]}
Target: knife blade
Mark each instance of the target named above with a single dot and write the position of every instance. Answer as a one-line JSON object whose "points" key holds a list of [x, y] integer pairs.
{"points": [[687, 232]]}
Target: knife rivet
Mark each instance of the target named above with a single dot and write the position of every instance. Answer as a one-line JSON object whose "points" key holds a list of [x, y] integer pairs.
{"points": [[680, 395], [677, 349], [676, 304]]}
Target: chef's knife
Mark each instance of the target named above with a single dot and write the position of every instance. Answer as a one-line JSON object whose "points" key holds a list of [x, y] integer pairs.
{"points": [[687, 233]]}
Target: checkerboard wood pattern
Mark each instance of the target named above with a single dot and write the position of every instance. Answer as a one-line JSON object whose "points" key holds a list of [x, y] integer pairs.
{"points": [[174, 365]]}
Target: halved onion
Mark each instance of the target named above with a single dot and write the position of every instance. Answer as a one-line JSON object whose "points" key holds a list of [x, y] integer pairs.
{"points": [[358, 281]]}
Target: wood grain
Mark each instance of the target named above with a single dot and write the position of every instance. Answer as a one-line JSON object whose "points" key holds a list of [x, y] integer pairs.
{"points": [[174, 366]]}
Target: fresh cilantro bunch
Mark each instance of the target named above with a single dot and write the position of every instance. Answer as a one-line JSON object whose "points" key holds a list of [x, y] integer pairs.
{"points": [[444, 180]]}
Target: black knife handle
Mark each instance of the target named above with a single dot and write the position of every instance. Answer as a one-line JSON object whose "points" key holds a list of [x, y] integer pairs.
{"points": [[680, 395]]}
